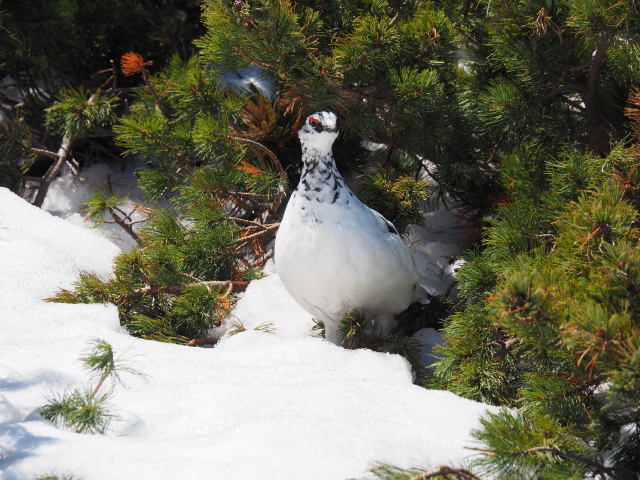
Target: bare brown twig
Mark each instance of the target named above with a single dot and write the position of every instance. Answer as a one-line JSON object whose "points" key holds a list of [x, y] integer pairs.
{"points": [[257, 196], [506, 346], [45, 153], [268, 228], [230, 285], [598, 137], [63, 153], [121, 222], [446, 471], [244, 221], [259, 262], [274, 158], [396, 17], [194, 342]]}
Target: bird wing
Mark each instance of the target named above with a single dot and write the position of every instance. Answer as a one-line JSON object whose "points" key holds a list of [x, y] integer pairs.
{"points": [[385, 225]]}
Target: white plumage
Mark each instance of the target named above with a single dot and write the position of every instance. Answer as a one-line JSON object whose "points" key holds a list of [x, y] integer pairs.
{"points": [[333, 253]]}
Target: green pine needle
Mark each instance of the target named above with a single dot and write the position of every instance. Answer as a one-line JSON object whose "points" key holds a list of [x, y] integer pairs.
{"points": [[77, 410]]}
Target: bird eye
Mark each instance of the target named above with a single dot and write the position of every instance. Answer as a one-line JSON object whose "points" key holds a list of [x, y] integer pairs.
{"points": [[313, 120]]}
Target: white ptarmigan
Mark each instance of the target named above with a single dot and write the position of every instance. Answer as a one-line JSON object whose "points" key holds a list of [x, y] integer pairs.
{"points": [[333, 253]]}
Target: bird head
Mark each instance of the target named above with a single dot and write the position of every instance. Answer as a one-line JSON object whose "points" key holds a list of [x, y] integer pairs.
{"points": [[319, 131]]}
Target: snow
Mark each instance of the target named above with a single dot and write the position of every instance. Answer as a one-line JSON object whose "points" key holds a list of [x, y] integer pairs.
{"points": [[266, 301], [36, 249], [249, 79], [427, 339], [258, 405], [446, 233], [67, 195]]}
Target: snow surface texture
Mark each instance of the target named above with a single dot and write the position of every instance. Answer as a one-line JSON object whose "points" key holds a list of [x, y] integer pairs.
{"points": [[258, 405]]}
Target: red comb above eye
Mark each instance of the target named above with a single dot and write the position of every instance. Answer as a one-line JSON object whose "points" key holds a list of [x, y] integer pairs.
{"points": [[314, 120]]}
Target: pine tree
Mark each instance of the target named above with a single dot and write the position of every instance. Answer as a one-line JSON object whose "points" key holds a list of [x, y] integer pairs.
{"points": [[556, 336], [46, 46], [205, 244], [388, 69]]}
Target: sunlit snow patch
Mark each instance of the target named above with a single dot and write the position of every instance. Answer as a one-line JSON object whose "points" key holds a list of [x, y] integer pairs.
{"points": [[259, 405]]}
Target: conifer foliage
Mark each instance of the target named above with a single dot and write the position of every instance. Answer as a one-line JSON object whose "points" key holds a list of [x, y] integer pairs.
{"points": [[66, 44], [86, 411], [388, 68], [557, 335], [206, 241]]}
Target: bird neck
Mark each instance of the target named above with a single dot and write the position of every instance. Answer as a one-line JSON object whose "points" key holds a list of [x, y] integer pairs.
{"points": [[320, 180], [314, 160], [318, 164]]}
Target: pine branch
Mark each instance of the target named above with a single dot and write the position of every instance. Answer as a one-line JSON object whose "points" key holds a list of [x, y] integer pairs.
{"points": [[56, 113], [599, 467], [257, 196], [554, 92], [259, 262], [579, 68], [278, 165], [594, 70], [101, 381], [384, 472], [506, 346], [121, 222], [274, 158], [248, 222], [45, 153], [396, 17], [191, 277], [244, 56], [154, 93], [210, 284]]}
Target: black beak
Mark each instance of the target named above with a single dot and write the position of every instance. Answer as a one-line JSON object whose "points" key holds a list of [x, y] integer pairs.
{"points": [[317, 126]]}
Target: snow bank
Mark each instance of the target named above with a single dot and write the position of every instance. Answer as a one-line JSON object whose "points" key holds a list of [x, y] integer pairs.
{"points": [[267, 301], [285, 406], [40, 253]]}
